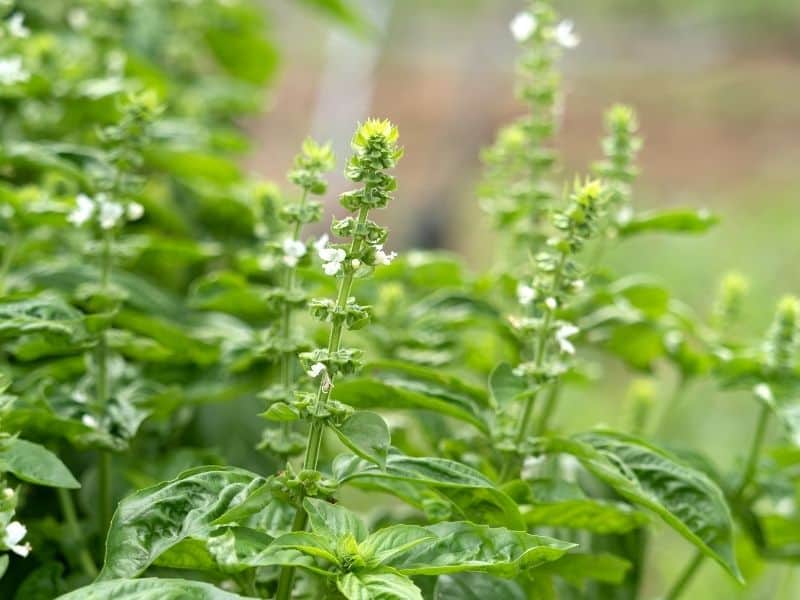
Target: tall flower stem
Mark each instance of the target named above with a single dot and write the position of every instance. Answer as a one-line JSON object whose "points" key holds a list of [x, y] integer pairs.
{"points": [[101, 396], [70, 516], [687, 575]]}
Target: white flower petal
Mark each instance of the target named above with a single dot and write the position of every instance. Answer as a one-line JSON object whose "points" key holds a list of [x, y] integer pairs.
{"points": [[16, 26], [321, 243], [382, 257], [83, 210], [522, 26], [15, 531], [110, 213], [331, 268], [21, 549], [12, 71], [134, 211], [316, 370], [525, 294], [565, 36]]}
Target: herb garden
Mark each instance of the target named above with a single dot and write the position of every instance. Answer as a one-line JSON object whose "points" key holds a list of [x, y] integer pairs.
{"points": [[411, 409]]}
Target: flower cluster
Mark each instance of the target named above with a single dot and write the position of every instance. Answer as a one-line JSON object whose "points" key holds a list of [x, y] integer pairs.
{"points": [[620, 147], [783, 339], [13, 531], [517, 189], [103, 212]]}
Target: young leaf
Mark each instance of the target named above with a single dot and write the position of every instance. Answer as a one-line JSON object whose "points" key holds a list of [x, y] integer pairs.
{"points": [[464, 546], [475, 495], [377, 586], [366, 434], [150, 589], [35, 464], [385, 543], [681, 220], [333, 521], [505, 386], [686, 499], [152, 521]]}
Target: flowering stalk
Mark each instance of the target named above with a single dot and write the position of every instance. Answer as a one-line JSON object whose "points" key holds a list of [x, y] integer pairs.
{"points": [[375, 151], [307, 173], [557, 275], [517, 189], [105, 213]]}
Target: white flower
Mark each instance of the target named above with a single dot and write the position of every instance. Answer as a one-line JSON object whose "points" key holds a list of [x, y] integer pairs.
{"points": [[578, 285], [562, 334], [16, 26], [11, 71], [565, 36], [785, 507], [83, 211], [316, 370], [764, 393], [15, 531], [569, 466], [525, 294], [332, 259], [293, 251], [531, 467], [321, 243], [551, 303], [110, 213], [78, 18], [382, 258], [134, 211], [522, 26], [8, 493], [89, 421]]}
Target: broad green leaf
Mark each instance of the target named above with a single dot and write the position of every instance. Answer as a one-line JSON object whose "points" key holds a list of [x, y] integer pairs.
{"points": [[333, 521], [505, 386], [281, 412], [686, 499], [377, 586], [312, 544], [385, 543], [476, 586], [464, 546], [395, 386], [578, 568], [475, 496], [680, 220], [152, 521], [638, 344], [150, 589], [35, 464], [558, 503], [366, 434]]}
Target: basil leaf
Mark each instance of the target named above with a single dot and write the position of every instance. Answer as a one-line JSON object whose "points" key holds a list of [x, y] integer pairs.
{"points": [[35, 464], [473, 494], [476, 586], [333, 521], [464, 546], [155, 520], [150, 589], [386, 543], [395, 386], [505, 386], [366, 434], [377, 586], [686, 499], [577, 568], [681, 220]]}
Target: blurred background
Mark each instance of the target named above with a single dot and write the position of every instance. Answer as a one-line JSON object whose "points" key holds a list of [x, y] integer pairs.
{"points": [[716, 85]]}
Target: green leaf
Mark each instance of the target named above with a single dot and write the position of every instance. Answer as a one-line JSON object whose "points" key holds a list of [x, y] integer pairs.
{"points": [[333, 521], [560, 504], [475, 496], [366, 434], [686, 499], [577, 568], [680, 220], [377, 586], [341, 11], [476, 586], [505, 386], [464, 546], [312, 544], [35, 464], [280, 411], [386, 543], [152, 521], [150, 589], [395, 386]]}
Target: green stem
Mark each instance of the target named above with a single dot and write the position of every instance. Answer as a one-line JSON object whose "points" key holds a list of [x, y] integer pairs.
{"points": [[101, 399], [539, 356], [549, 408], [670, 405], [747, 477], [287, 371], [317, 432], [70, 516], [8, 258]]}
